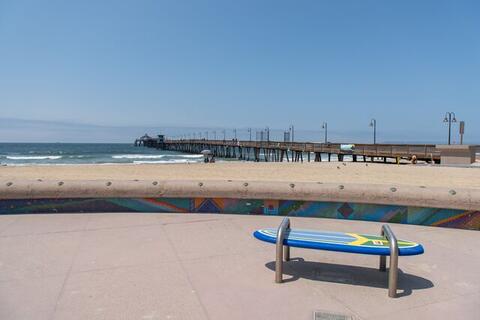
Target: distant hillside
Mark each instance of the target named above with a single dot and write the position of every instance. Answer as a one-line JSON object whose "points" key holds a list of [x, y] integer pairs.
{"points": [[19, 130]]}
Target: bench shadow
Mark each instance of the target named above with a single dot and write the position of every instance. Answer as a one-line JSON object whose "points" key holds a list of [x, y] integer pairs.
{"points": [[298, 268]]}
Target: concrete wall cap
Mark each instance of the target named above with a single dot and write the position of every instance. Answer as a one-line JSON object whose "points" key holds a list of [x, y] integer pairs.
{"points": [[421, 196]]}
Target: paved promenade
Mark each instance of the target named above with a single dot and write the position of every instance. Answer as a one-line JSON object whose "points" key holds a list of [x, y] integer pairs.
{"points": [[182, 266]]}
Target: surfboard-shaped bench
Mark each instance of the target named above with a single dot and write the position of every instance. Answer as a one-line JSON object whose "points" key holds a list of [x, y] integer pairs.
{"points": [[384, 245], [339, 241]]}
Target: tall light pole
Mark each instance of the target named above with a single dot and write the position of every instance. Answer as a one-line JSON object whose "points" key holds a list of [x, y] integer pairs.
{"points": [[250, 133], [214, 135], [462, 131], [267, 130], [448, 118], [292, 131], [235, 134], [206, 134], [325, 126], [223, 134], [373, 123]]}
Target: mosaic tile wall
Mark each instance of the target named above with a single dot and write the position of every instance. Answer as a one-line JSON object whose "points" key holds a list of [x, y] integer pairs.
{"points": [[337, 210]]}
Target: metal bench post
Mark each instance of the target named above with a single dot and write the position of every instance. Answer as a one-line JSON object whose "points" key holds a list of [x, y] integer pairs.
{"points": [[281, 253], [393, 268]]}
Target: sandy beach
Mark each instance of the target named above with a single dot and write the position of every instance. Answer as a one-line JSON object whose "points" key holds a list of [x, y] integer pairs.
{"points": [[431, 176]]}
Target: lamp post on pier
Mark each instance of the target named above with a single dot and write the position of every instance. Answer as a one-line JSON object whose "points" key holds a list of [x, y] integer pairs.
{"points": [[373, 123], [292, 132], [250, 133], [235, 134], [462, 131], [448, 118], [325, 126], [206, 134], [214, 135], [223, 134]]}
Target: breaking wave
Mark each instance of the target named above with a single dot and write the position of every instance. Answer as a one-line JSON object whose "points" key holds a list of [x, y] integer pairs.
{"points": [[138, 156], [165, 161], [156, 156], [193, 156], [34, 157]]}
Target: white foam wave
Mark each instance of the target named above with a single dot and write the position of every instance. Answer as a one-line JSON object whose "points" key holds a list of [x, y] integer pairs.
{"points": [[34, 157], [138, 156], [193, 156], [156, 156], [164, 161]]}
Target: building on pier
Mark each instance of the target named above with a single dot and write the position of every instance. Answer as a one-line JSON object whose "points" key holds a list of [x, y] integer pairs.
{"points": [[150, 142]]}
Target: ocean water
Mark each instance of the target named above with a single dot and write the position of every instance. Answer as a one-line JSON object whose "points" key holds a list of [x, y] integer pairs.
{"points": [[87, 153]]}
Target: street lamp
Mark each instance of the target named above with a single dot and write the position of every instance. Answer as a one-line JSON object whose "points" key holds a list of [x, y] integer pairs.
{"points": [[448, 118], [325, 126], [267, 130], [292, 131], [373, 123], [223, 134], [235, 134], [206, 134], [214, 135], [250, 133]]}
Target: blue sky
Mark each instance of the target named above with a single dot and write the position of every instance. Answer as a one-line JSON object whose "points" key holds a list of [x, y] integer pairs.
{"points": [[159, 64]]}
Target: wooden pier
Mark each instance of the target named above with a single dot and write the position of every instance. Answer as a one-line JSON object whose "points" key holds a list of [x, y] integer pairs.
{"points": [[274, 151]]}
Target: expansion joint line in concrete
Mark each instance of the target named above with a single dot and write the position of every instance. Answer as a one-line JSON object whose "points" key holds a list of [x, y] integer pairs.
{"points": [[185, 272], [67, 275]]}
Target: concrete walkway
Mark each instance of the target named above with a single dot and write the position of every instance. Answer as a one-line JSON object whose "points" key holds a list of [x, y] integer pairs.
{"points": [[185, 266]]}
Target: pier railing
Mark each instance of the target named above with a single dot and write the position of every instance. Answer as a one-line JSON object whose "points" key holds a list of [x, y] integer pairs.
{"points": [[421, 151]]}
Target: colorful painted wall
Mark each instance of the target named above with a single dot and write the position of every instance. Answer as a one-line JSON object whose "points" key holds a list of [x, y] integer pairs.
{"points": [[336, 210]]}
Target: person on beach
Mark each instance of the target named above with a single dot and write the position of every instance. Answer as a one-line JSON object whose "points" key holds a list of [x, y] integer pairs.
{"points": [[414, 159]]}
